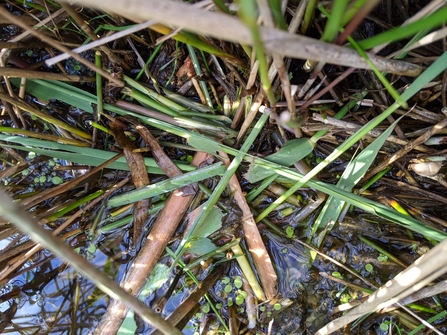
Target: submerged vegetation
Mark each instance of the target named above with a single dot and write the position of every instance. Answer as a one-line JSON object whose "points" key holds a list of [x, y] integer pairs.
{"points": [[240, 167]]}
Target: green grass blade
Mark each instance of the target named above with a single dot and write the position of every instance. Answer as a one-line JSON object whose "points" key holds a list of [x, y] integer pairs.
{"points": [[84, 100], [248, 12], [362, 203], [353, 199], [418, 40], [168, 185], [214, 198], [352, 11], [74, 205], [379, 75], [292, 152], [222, 6], [257, 191], [429, 74], [81, 155], [147, 101], [275, 8], [432, 21], [310, 9], [51, 89], [153, 95], [438, 316], [350, 177], [383, 251], [333, 24]]}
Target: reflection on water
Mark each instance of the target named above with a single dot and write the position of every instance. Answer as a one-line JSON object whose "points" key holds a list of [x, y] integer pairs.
{"points": [[292, 263]]}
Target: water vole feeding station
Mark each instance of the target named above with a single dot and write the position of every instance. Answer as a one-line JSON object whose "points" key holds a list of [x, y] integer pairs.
{"points": [[223, 167]]}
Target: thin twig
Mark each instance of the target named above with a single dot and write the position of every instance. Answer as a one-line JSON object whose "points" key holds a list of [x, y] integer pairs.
{"points": [[407, 148], [55, 44], [24, 73], [86, 28], [100, 42]]}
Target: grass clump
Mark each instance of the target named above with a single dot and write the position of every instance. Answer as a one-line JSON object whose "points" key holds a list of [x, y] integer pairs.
{"points": [[196, 141]]}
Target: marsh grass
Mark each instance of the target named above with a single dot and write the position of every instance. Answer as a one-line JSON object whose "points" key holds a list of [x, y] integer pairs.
{"points": [[214, 134]]}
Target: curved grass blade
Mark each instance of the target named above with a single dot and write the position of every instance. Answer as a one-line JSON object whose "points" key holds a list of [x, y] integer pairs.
{"points": [[429, 74], [80, 155], [436, 19], [353, 199], [379, 74], [167, 185], [350, 177]]}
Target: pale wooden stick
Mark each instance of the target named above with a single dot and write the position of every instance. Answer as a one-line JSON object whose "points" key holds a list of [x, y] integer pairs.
{"points": [[256, 246], [232, 29], [155, 244], [25, 222]]}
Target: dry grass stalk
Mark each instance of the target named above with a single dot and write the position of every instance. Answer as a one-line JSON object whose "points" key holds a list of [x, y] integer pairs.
{"points": [[100, 42], [261, 258], [154, 246], [57, 45], [86, 28], [53, 17], [162, 160], [247, 271], [349, 127], [23, 73], [426, 292], [407, 148], [140, 178], [6, 53], [424, 270], [229, 28], [25, 222]]}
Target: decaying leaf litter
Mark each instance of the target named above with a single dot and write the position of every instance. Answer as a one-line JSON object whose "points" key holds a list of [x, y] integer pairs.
{"points": [[210, 158]]}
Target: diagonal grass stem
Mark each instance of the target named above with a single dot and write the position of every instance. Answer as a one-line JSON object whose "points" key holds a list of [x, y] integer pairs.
{"points": [[214, 198], [437, 67]]}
